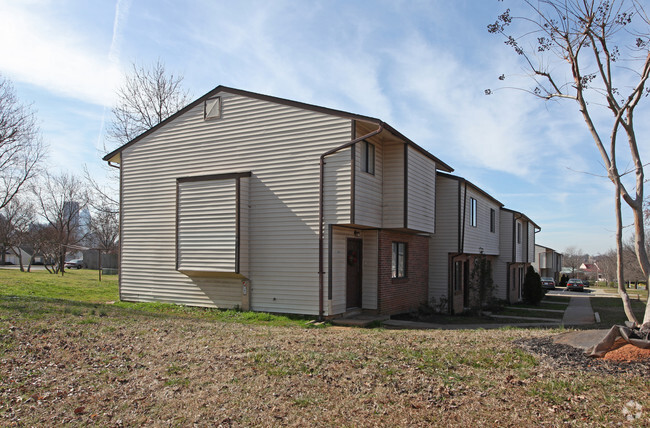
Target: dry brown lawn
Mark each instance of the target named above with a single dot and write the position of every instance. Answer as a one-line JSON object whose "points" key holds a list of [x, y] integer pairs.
{"points": [[110, 366]]}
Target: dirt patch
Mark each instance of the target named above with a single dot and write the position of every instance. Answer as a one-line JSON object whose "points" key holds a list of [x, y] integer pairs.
{"points": [[566, 356], [628, 353], [60, 366]]}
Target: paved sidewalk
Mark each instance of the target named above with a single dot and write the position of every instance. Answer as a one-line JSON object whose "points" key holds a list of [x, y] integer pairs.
{"points": [[579, 312]]}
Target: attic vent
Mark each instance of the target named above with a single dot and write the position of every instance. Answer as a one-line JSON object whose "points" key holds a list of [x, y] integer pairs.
{"points": [[212, 108]]}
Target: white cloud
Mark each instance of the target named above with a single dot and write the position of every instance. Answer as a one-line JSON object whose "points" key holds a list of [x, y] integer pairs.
{"points": [[38, 50]]}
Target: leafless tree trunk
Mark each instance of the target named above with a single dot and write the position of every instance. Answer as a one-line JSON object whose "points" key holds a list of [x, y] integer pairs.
{"points": [[21, 148], [60, 199], [627, 306], [15, 220], [605, 45]]}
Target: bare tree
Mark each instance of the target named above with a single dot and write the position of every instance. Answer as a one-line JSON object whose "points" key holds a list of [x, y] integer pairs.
{"points": [[21, 148], [104, 230], [573, 257], [604, 46], [60, 199], [607, 264], [148, 96], [15, 220]]}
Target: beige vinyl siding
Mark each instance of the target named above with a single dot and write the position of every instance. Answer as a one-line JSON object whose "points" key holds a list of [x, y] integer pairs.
{"points": [[421, 200], [500, 273], [207, 225], [339, 269], [445, 239], [519, 246], [244, 227], [369, 273], [531, 243], [393, 185], [480, 236], [368, 189], [281, 146]]}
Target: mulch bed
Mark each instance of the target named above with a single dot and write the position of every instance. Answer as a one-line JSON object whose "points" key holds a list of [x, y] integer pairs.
{"points": [[619, 361]]}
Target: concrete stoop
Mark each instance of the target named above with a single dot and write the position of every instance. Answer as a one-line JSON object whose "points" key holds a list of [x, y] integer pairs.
{"points": [[357, 318]]}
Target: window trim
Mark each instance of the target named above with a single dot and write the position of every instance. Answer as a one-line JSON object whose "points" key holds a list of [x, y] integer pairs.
{"points": [[395, 260], [473, 212]]}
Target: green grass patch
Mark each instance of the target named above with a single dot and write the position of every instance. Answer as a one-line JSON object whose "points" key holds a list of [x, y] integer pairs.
{"points": [[557, 391], [79, 285], [38, 293], [611, 310], [632, 292]]}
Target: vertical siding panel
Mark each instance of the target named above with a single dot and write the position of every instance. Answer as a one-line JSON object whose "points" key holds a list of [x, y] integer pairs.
{"points": [[445, 239], [505, 254], [421, 191], [480, 236], [281, 145], [368, 193], [393, 185]]}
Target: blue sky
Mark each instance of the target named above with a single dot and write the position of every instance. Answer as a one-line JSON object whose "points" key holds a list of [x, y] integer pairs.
{"points": [[421, 66]]}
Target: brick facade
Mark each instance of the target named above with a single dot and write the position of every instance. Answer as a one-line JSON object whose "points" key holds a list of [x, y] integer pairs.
{"points": [[399, 295]]}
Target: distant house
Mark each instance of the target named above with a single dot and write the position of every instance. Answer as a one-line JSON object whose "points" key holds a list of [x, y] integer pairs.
{"points": [[12, 258], [548, 262], [246, 200], [516, 253], [468, 224], [591, 271]]}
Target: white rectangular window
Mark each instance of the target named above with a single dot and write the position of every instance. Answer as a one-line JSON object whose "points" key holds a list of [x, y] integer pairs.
{"points": [[399, 260], [212, 108], [368, 157], [473, 216]]}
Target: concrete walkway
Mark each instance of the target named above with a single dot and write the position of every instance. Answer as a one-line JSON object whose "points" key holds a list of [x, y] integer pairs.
{"points": [[578, 312]]}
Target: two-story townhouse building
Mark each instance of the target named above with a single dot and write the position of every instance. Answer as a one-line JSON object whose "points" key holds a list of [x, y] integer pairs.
{"points": [[246, 200], [516, 253], [467, 225], [548, 262]]}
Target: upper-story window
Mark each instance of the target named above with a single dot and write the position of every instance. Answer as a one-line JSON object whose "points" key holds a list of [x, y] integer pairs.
{"points": [[493, 220], [368, 158], [518, 233], [473, 216], [212, 108]]}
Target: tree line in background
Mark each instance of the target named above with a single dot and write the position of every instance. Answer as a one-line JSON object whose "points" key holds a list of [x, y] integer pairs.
{"points": [[54, 214]]}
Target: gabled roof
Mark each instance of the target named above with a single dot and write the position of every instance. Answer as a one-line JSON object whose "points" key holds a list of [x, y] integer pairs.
{"points": [[474, 186], [523, 216], [333, 112]]}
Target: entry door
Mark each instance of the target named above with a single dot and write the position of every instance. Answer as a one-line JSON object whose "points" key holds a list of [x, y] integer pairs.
{"points": [[353, 285]]}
